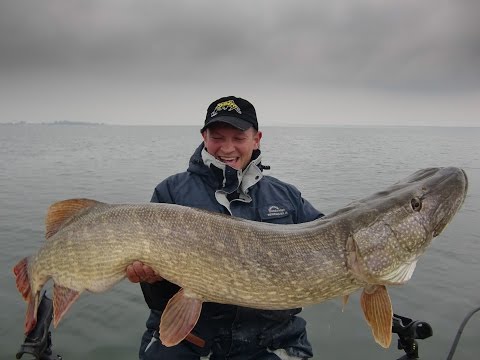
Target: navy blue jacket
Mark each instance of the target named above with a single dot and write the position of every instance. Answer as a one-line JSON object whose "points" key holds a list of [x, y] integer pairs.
{"points": [[269, 200]]}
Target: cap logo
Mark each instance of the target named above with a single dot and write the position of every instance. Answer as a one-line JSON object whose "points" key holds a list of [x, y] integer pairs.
{"points": [[225, 106]]}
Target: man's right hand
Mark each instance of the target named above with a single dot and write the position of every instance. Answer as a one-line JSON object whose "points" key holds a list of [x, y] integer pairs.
{"points": [[139, 272]]}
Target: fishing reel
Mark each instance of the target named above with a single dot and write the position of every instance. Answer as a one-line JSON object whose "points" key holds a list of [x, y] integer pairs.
{"points": [[38, 342], [408, 331]]}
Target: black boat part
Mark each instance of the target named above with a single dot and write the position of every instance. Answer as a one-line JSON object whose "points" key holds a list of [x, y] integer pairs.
{"points": [[408, 332], [38, 342], [460, 331]]}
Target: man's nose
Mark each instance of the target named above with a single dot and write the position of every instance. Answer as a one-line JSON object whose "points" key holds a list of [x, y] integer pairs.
{"points": [[228, 146]]}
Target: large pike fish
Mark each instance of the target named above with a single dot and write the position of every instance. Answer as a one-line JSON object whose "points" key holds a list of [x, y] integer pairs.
{"points": [[371, 243]]}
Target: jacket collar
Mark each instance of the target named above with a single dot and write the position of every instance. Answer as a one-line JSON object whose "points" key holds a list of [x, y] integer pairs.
{"points": [[224, 177]]}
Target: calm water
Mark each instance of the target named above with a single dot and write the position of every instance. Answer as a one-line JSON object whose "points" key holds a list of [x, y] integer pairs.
{"points": [[40, 164]]}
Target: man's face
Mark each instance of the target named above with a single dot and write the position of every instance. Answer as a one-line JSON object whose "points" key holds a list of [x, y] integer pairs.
{"points": [[230, 145]]}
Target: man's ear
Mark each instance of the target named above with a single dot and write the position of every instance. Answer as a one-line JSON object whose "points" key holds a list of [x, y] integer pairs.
{"points": [[258, 137]]}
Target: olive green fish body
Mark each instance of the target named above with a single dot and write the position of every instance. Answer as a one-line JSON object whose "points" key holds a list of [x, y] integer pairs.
{"points": [[220, 258], [371, 243]]}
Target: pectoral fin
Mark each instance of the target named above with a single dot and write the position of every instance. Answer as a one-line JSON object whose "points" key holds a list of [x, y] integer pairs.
{"points": [[63, 298], [401, 275], [378, 312], [179, 317]]}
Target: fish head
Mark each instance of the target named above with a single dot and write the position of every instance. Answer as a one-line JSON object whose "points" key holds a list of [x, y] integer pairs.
{"points": [[394, 227]]}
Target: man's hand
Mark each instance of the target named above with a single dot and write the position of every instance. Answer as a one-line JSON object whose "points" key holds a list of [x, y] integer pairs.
{"points": [[138, 272]]}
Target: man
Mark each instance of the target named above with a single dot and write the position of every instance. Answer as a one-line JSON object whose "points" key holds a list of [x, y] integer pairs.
{"points": [[225, 176]]}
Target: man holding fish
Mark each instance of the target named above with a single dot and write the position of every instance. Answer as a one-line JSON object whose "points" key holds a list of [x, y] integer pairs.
{"points": [[227, 264], [225, 175]]}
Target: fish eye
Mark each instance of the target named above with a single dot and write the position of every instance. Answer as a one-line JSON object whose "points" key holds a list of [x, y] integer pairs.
{"points": [[416, 204]]}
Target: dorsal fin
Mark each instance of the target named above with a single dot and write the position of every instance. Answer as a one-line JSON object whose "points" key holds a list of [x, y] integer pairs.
{"points": [[59, 212]]}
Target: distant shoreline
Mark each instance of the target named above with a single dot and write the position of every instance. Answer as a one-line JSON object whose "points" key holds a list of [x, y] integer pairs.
{"points": [[63, 122], [84, 123]]}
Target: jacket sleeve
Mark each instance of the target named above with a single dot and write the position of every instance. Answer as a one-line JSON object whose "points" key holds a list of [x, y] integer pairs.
{"points": [[157, 295], [306, 212], [162, 194]]}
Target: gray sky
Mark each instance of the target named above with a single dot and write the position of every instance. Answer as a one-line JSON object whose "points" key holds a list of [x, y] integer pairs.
{"points": [[373, 62]]}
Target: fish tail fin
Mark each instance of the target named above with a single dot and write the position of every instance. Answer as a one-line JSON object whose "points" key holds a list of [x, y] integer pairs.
{"points": [[31, 315], [21, 278], [24, 287], [63, 298]]}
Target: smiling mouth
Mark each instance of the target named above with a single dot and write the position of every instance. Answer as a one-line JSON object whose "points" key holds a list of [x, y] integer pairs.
{"points": [[228, 160]]}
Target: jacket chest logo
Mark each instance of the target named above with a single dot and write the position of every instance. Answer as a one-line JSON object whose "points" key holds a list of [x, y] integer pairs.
{"points": [[275, 210]]}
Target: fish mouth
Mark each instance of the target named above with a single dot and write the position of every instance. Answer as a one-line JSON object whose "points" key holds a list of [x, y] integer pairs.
{"points": [[454, 199], [466, 182]]}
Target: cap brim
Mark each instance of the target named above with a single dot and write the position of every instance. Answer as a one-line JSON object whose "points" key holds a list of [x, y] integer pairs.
{"points": [[230, 120]]}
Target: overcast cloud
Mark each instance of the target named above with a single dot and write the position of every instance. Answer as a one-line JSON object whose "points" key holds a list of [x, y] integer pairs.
{"points": [[300, 62]]}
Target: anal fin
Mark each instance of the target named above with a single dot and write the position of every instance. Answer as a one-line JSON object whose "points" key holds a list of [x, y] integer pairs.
{"points": [[63, 298], [179, 317], [378, 312]]}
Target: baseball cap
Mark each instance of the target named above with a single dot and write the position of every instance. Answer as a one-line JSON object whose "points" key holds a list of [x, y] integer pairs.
{"points": [[232, 110]]}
